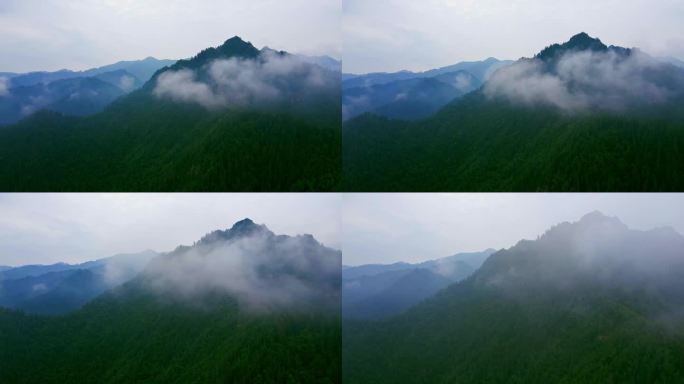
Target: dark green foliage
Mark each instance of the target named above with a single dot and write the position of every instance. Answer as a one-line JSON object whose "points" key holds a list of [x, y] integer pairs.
{"points": [[480, 145], [131, 337], [482, 337], [144, 144]]}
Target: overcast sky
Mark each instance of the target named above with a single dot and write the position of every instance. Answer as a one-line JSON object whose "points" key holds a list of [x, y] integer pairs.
{"points": [[48, 228], [80, 34], [390, 35], [385, 228]]}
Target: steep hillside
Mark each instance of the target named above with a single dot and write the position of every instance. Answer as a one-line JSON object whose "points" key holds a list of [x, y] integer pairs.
{"points": [[587, 302], [233, 118], [579, 116], [205, 313]]}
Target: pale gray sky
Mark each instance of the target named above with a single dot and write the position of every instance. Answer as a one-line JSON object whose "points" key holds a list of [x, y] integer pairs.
{"points": [[80, 34], [48, 228], [390, 35], [385, 228]]}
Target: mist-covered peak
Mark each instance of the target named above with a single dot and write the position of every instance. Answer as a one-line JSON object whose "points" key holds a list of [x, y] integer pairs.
{"points": [[597, 250], [238, 76], [251, 264], [583, 75], [598, 217], [271, 51]]}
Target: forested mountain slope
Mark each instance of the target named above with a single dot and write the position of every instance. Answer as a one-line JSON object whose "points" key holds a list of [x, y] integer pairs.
{"points": [[587, 302], [241, 305], [233, 118], [580, 116]]}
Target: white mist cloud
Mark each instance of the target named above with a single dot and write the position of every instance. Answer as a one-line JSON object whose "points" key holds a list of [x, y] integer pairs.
{"points": [[595, 253], [583, 80], [353, 104], [239, 83], [122, 267], [126, 83], [262, 271], [4, 86], [463, 82], [415, 227], [183, 86]]}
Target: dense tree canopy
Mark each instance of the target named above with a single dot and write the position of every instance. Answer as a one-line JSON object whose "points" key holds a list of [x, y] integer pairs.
{"points": [[132, 337], [144, 144], [481, 145]]}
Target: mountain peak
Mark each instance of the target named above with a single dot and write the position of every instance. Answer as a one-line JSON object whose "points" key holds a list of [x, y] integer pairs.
{"points": [[595, 215], [244, 224], [582, 37], [233, 47], [579, 42], [236, 46], [582, 41]]}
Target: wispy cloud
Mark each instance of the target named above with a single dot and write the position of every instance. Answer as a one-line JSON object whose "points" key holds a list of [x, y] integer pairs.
{"points": [[270, 79], [263, 271], [4, 86], [587, 79]]}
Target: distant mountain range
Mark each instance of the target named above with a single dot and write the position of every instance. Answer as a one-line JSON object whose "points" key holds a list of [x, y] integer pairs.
{"points": [[240, 305], [232, 118], [83, 93], [74, 93], [579, 116], [61, 288], [377, 291], [590, 301], [413, 95]]}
